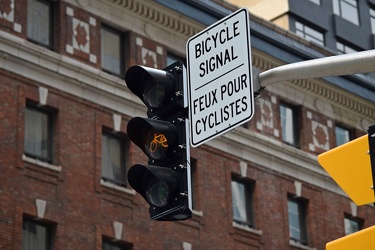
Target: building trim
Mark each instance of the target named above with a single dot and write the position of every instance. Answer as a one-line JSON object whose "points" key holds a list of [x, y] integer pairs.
{"points": [[320, 88], [266, 36]]}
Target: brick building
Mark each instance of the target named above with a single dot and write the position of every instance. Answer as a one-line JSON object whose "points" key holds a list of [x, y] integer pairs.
{"points": [[65, 153]]}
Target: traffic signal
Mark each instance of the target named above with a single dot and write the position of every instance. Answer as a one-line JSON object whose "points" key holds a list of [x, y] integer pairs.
{"points": [[363, 240], [352, 166], [165, 183]]}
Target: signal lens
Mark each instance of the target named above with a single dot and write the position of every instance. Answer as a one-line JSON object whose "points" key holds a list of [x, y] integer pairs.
{"points": [[156, 145], [154, 93], [157, 192]]}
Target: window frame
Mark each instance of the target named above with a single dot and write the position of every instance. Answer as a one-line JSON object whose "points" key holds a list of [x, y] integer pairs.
{"points": [[343, 48], [317, 2], [50, 134], [172, 58], [295, 122], [121, 48], [372, 19], [306, 31], [124, 148], [355, 219], [49, 231], [249, 200], [343, 129], [302, 218], [52, 23], [121, 245], [338, 10]]}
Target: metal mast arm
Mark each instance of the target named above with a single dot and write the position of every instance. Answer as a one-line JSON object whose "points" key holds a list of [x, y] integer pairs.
{"points": [[347, 64]]}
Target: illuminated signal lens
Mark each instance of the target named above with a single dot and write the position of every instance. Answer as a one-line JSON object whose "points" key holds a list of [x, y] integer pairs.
{"points": [[154, 137], [156, 145]]}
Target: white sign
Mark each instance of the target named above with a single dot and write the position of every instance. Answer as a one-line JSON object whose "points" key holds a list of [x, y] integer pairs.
{"points": [[219, 78]]}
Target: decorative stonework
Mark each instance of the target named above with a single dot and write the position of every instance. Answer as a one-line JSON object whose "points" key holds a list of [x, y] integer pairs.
{"points": [[266, 122], [186, 246], [149, 56], [116, 122], [146, 10], [336, 97], [243, 169], [117, 228], [320, 136], [7, 13], [298, 188], [43, 94], [81, 36], [7, 10], [40, 207], [266, 114]]}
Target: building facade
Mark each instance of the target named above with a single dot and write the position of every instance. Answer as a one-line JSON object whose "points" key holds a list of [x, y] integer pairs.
{"points": [[65, 153], [343, 26]]}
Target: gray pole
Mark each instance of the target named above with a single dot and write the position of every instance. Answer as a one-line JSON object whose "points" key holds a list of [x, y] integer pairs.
{"points": [[347, 64]]}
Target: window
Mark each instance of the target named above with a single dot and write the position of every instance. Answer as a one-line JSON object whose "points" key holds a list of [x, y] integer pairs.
{"points": [[242, 192], [38, 134], [112, 48], [40, 22], [114, 151], [347, 9], [297, 220], [344, 49], [352, 224], [372, 20], [309, 33], [342, 135], [289, 124], [36, 236], [173, 58], [108, 245], [315, 1]]}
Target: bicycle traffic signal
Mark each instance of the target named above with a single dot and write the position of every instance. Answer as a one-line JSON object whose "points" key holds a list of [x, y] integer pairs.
{"points": [[352, 166], [165, 183], [363, 240]]}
